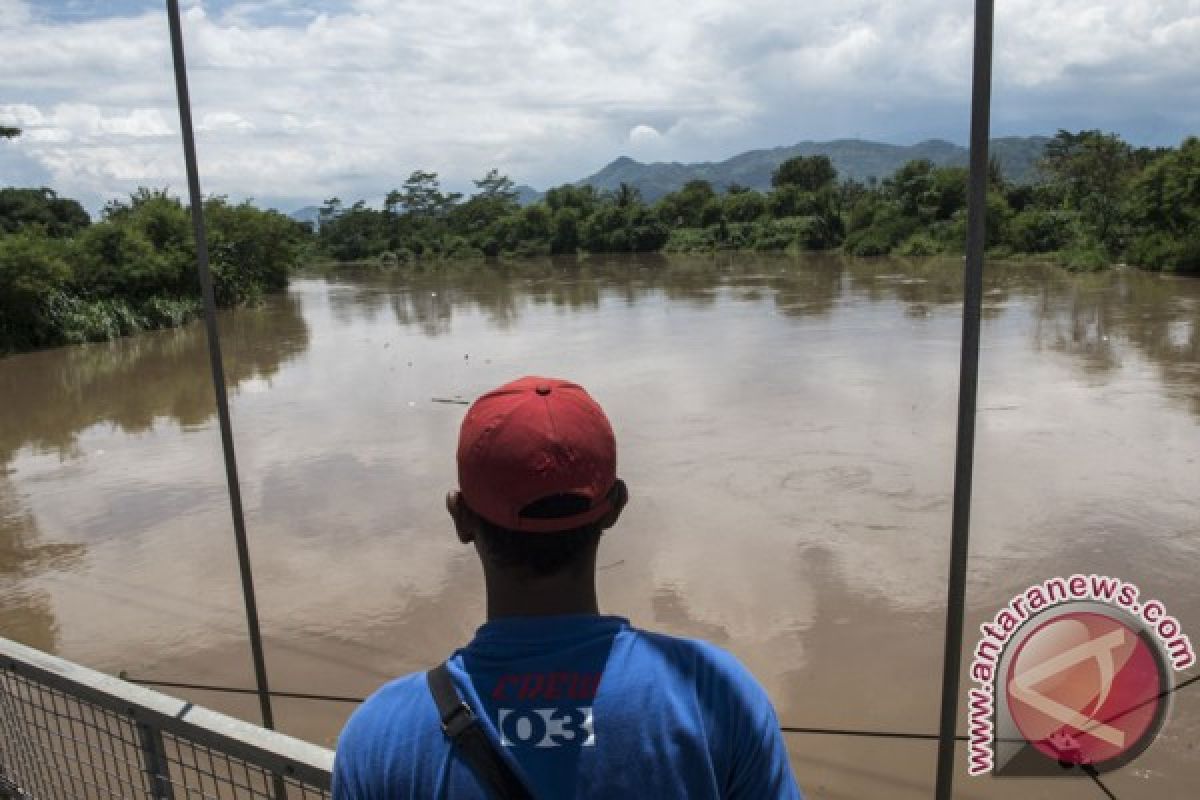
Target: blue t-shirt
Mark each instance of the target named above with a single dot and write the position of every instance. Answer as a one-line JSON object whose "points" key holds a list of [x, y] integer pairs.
{"points": [[582, 706]]}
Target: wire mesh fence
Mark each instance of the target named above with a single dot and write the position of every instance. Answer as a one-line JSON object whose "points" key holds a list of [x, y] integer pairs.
{"points": [[69, 732]]}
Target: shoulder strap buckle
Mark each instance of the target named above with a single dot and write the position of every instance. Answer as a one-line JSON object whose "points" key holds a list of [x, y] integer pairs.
{"points": [[460, 718]]}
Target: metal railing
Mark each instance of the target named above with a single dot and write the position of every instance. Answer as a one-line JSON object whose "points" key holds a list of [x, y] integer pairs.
{"points": [[70, 732]]}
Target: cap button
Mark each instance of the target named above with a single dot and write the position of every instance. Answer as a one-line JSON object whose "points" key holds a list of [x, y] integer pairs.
{"points": [[543, 389]]}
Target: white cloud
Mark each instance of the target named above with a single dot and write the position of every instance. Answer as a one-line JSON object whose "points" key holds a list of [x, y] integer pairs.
{"points": [[84, 123], [644, 135], [21, 114], [297, 101], [223, 121], [13, 13]]}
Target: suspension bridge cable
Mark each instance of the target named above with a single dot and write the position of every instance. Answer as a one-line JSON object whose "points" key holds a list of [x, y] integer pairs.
{"points": [[338, 698], [217, 364], [968, 381]]}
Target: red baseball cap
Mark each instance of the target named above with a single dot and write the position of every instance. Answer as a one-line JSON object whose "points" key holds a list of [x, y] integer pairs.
{"points": [[532, 439]]}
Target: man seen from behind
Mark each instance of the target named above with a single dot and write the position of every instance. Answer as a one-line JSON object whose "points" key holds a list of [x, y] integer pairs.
{"points": [[553, 699]]}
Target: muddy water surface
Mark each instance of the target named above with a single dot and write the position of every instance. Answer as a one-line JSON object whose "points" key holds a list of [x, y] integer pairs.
{"points": [[786, 428]]}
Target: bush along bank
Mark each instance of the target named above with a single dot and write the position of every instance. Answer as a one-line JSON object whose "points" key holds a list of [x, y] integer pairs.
{"points": [[65, 280]]}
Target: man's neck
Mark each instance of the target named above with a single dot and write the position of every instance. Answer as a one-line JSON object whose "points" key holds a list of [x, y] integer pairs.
{"points": [[540, 597]]}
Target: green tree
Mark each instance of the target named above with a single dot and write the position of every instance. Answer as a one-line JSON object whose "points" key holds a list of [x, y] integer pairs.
{"points": [[808, 173], [646, 232], [392, 202], [34, 272], [352, 234], [331, 209], [790, 201], [826, 228], [41, 208], [533, 224], [495, 198], [581, 198], [422, 195], [251, 250], [143, 247], [1039, 230], [995, 173], [495, 186], [117, 260], [1164, 207], [9, 132], [947, 191], [159, 217], [603, 230], [685, 207], [566, 231], [745, 206], [911, 186], [1093, 170], [713, 212], [627, 195]]}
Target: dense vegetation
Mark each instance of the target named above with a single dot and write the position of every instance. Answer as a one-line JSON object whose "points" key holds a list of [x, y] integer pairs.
{"points": [[1099, 202], [65, 280]]}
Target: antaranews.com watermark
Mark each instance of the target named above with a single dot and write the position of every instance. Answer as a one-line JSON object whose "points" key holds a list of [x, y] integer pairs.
{"points": [[1085, 682]]}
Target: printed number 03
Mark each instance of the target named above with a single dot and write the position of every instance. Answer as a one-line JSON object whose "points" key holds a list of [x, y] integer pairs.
{"points": [[546, 727]]}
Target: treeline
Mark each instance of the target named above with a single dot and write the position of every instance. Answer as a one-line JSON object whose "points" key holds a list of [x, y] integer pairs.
{"points": [[1099, 202], [65, 280], [419, 221]]}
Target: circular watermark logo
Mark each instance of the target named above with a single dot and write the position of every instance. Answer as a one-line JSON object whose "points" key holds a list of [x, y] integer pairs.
{"points": [[1073, 676], [1087, 688]]}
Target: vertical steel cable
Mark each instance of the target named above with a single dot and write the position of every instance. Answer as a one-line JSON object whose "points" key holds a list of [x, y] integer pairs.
{"points": [[968, 381], [218, 368]]}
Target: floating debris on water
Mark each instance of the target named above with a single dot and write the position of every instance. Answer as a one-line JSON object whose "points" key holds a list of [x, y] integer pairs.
{"points": [[452, 400]]}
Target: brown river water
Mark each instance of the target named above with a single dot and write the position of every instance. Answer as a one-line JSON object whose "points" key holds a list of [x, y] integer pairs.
{"points": [[786, 428]]}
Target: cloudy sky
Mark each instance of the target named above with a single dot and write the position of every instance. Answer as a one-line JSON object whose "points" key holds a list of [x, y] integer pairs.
{"points": [[298, 100]]}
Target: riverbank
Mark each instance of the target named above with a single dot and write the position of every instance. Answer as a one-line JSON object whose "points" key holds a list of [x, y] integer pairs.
{"points": [[1068, 260]]}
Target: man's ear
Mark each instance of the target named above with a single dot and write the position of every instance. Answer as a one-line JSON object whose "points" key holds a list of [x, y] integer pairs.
{"points": [[466, 523], [618, 496]]}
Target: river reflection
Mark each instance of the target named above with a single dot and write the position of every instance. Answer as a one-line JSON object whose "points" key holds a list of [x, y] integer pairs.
{"points": [[786, 429], [62, 406]]}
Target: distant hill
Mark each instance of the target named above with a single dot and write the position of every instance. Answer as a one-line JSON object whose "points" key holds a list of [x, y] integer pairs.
{"points": [[853, 158], [307, 214], [527, 195]]}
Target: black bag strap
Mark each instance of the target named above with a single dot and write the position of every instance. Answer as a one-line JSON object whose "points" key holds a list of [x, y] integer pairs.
{"points": [[462, 728]]}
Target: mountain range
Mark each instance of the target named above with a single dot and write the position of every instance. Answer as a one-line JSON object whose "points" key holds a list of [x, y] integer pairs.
{"points": [[857, 159]]}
